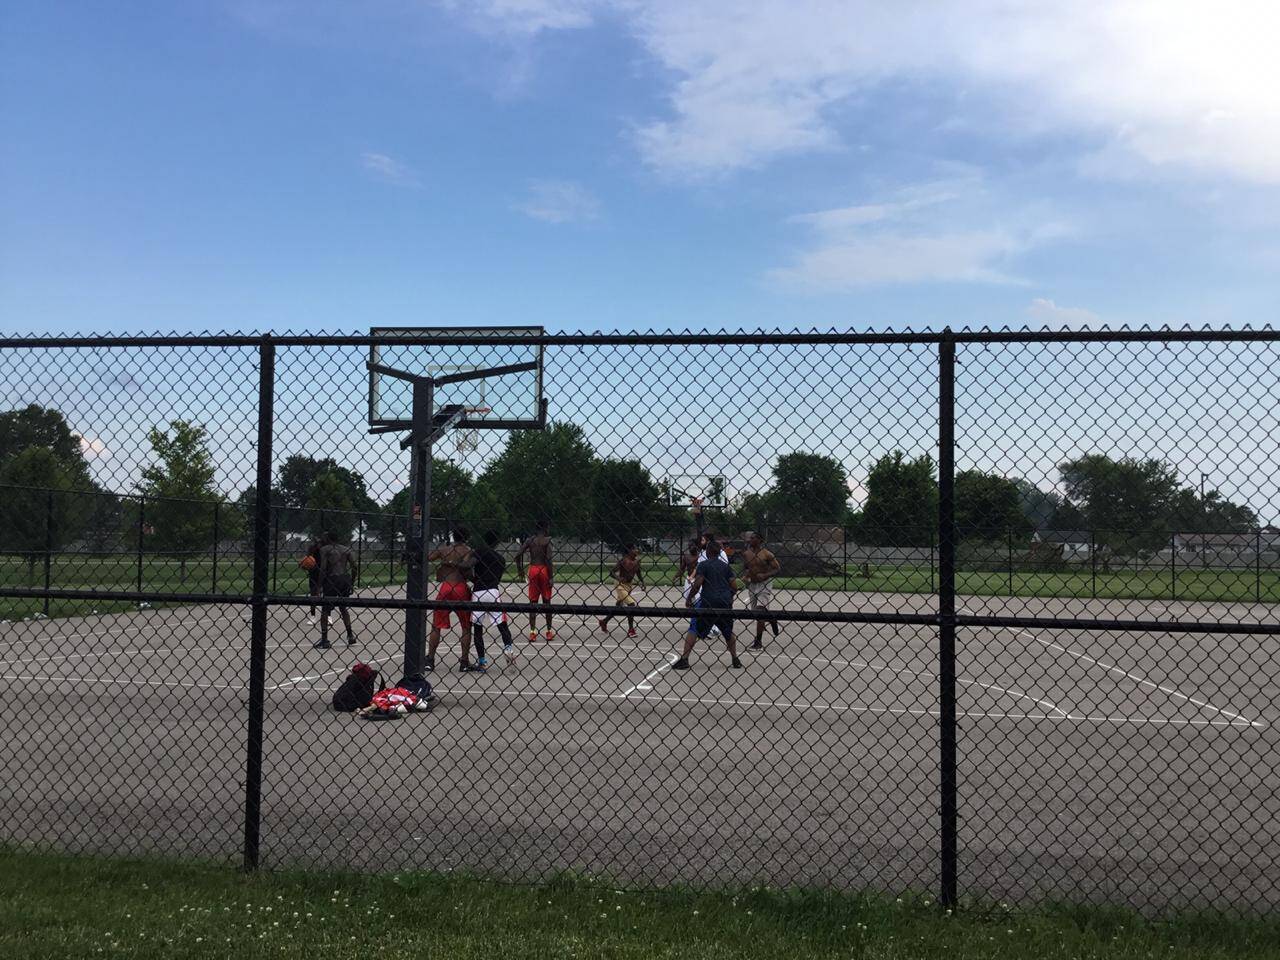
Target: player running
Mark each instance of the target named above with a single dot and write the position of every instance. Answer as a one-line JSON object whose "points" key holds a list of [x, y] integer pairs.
{"points": [[541, 570], [456, 560], [713, 587], [487, 575], [625, 572], [761, 567]]}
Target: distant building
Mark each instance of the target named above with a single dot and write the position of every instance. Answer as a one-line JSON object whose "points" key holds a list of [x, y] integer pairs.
{"points": [[1075, 544]]}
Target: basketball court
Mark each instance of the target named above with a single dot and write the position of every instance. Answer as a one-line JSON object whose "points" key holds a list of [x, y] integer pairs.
{"points": [[817, 763]]}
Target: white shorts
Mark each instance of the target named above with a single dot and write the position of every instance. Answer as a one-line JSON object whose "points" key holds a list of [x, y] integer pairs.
{"points": [[488, 618]]}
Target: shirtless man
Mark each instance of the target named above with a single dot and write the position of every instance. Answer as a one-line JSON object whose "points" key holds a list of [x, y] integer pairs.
{"points": [[337, 568], [541, 570], [761, 567], [625, 572], [455, 562]]}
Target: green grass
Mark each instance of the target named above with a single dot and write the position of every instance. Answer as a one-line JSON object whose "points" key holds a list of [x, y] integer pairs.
{"points": [[60, 907], [234, 576]]}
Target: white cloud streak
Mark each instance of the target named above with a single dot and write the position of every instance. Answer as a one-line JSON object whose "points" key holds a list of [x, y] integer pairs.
{"points": [[389, 170], [1045, 312], [559, 201], [940, 232]]}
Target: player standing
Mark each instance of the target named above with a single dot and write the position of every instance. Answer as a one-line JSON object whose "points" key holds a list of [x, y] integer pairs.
{"points": [[625, 572], [761, 567], [541, 571], [488, 573], [337, 566], [713, 587], [456, 560]]}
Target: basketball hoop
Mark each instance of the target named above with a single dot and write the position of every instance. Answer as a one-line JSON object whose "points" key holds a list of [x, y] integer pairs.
{"points": [[467, 441]]}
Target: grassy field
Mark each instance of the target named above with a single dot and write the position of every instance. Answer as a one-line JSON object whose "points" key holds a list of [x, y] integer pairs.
{"points": [[58, 907], [234, 576]]}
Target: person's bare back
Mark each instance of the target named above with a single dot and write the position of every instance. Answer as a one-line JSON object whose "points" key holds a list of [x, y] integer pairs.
{"points": [[455, 562], [539, 549]]}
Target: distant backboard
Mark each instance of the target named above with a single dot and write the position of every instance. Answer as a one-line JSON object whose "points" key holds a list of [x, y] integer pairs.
{"points": [[512, 401], [697, 490]]}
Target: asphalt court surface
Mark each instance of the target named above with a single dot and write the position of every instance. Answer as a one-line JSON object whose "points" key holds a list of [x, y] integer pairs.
{"points": [[1090, 762]]}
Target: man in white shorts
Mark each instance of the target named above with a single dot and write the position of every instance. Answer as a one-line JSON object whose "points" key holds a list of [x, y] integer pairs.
{"points": [[761, 567], [487, 575]]}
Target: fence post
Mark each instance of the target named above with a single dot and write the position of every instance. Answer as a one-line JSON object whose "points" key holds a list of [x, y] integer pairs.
{"points": [[1093, 563], [1011, 562], [391, 545], [1257, 566], [359, 548], [844, 559], [275, 546], [602, 561], [216, 511], [142, 511], [947, 616], [48, 549], [933, 552], [258, 630], [1173, 567]]}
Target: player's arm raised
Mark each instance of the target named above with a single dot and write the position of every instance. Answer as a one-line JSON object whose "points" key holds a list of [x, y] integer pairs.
{"points": [[524, 548]]}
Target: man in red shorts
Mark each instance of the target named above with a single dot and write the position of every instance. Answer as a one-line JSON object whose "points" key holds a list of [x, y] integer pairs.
{"points": [[455, 562], [541, 571]]}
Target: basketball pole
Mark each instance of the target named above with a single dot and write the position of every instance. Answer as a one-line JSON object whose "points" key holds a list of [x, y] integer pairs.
{"points": [[419, 546]]}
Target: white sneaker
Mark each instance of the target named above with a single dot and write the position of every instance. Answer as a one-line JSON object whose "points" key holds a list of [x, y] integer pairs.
{"points": [[311, 619]]}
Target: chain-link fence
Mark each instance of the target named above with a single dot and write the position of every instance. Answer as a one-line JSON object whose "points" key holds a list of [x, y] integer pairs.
{"points": [[1006, 623]]}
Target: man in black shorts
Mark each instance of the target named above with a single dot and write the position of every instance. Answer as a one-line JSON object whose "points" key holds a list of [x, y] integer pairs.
{"points": [[337, 573], [714, 585]]}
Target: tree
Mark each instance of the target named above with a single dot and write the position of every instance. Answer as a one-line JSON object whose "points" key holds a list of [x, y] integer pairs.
{"points": [[545, 473], [293, 487], [482, 510], [902, 502], [42, 512], [810, 488], [1127, 503], [1038, 506], [988, 507], [451, 486], [180, 491], [329, 507], [36, 426], [103, 520], [1213, 513], [623, 497]]}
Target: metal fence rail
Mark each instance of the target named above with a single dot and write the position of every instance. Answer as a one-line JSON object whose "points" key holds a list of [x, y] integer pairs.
{"points": [[1026, 642]]}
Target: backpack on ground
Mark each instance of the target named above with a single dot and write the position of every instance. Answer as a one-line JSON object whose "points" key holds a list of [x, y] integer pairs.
{"points": [[420, 686], [392, 703], [356, 691]]}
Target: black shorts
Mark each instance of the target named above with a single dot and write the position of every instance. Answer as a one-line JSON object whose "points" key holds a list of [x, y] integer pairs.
{"points": [[337, 586], [703, 625], [313, 581]]}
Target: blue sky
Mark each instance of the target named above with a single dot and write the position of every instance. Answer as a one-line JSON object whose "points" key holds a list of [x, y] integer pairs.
{"points": [[233, 164]]}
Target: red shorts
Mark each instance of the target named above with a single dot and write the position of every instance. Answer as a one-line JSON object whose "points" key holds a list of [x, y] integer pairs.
{"points": [[539, 583], [452, 591]]}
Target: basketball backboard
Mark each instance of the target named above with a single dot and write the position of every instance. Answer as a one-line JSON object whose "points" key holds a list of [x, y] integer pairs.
{"points": [[512, 401], [700, 490]]}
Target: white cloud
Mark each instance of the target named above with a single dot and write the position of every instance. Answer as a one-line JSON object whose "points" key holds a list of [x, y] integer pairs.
{"points": [[389, 170], [529, 16], [940, 231], [1045, 312], [1175, 83], [559, 201], [94, 449]]}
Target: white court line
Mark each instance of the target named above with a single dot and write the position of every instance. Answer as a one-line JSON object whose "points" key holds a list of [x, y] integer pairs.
{"points": [[645, 684], [320, 676], [95, 681], [851, 708], [1143, 681], [96, 654]]}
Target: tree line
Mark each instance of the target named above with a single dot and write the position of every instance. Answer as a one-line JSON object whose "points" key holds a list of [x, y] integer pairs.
{"points": [[1132, 505]]}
